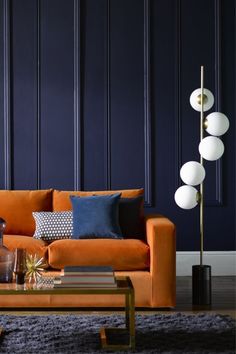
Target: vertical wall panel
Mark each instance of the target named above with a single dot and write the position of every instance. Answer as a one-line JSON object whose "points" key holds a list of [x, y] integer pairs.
{"points": [[203, 52], [201, 45], [94, 87], [127, 93], [163, 58], [24, 94], [57, 93], [225, 232]]}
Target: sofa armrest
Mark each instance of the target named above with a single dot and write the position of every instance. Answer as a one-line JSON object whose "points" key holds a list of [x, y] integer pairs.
{"points": [[160, 233]]}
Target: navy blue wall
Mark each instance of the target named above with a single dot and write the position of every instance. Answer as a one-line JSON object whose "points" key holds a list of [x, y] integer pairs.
{"points": [[94, 94]]}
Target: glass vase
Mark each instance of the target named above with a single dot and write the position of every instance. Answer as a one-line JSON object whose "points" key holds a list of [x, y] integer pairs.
{"points": [[6, 258], [20, 265]]}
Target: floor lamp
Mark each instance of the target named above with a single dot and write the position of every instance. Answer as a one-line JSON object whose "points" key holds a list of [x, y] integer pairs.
{"points": [[193, 173]]}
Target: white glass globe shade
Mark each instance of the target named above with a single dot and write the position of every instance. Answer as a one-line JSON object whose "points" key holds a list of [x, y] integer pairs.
{"points": [[195, 100], [211, 148], [186, 197], [216, 123], [192, 173]]}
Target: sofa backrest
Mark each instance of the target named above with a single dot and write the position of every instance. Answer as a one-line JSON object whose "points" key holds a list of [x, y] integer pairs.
{"points": [[16, 207], [61, 199], [131, 215]]}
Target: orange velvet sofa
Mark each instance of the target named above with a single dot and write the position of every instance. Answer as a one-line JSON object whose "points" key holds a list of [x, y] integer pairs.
{"points": [[150, 263]]}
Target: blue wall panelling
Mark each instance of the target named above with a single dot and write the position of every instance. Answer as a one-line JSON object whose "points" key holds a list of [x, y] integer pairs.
{"points": [[94, 94]]}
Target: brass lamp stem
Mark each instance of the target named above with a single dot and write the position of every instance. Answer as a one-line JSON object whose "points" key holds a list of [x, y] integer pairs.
{"points": [[201, 162]]}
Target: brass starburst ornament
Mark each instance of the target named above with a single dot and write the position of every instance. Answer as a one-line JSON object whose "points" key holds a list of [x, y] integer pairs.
{"points": [[35, 266]]}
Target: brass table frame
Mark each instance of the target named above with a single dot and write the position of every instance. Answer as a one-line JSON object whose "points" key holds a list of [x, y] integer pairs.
{"points": [[124, 287]]}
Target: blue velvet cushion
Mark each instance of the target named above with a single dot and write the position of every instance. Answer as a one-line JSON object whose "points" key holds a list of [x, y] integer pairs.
{"points": [[131, 217], [96, 216]]}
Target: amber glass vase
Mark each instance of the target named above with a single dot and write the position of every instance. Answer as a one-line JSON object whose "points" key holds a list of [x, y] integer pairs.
{"points": [[20, 265], [6, 258]]}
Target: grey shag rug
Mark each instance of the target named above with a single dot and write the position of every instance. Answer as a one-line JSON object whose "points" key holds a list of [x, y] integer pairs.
{"points": [[70, 334]]}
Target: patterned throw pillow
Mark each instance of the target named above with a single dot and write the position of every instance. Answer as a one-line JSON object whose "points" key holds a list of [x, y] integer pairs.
{"points": [[51, 226]]}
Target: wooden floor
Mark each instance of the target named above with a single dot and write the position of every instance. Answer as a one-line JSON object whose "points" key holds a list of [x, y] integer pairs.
{"points": [[223, 300], [223, 296]]}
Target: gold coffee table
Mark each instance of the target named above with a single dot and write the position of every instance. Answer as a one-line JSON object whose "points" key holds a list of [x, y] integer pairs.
{"points": [[124, 287]]}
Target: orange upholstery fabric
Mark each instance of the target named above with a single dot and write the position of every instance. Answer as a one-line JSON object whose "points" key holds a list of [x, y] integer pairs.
{"points": [[127, 254], [61, 199], [150, 264], [161, 240], [31, 245], [16, 208]]}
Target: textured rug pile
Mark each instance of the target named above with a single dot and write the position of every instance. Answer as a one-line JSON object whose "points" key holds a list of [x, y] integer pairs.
{"points": [[69, 334]]}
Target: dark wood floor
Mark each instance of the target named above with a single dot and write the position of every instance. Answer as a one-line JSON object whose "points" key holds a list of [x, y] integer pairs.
{"points": [[223, 300], [223, 295]]}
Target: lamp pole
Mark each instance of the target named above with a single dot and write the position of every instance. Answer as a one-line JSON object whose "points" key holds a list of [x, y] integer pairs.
{"points": [[201, 274], [203, 99]]}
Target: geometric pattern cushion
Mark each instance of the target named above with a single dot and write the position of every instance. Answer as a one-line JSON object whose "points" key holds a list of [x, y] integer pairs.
{"points": [[51, 226]]}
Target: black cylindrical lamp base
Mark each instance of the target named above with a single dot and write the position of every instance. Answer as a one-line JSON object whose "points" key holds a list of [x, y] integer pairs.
{"points": [[201, 285]]}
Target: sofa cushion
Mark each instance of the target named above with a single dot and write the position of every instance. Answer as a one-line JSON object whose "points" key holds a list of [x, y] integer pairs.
{"points": [[31, 245], [96, 216], [61, 199], [131, 217], [127, 254], [130, 228], [16, 209], [51, 226]]}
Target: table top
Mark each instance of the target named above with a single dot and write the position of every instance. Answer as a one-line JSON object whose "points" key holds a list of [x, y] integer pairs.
{"points": [[124, 286]]}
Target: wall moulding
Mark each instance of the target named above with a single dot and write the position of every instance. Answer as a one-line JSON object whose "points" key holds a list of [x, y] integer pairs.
{"points": [[147, 107], [77, 98], [7, 95]]}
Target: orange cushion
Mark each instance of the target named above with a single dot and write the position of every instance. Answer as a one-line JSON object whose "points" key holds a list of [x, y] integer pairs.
{"points": [[61, 200], [31, 245], [127, 254], [16, 209]]}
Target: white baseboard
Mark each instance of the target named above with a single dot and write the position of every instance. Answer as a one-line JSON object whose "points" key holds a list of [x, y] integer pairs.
{"points": [[221, 262]]}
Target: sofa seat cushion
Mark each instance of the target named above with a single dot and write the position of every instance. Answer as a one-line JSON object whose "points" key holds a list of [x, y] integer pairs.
{"points": [[127, 254], [16, 209], [31, 245]]}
